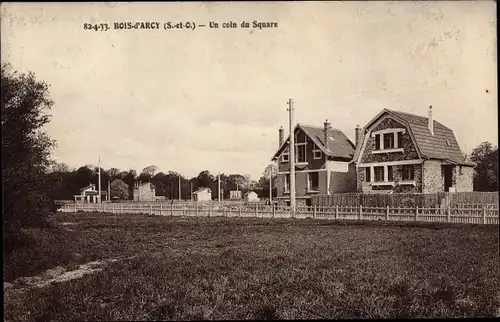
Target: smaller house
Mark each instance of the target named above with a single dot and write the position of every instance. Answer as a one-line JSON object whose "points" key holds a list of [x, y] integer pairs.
{"points": [[202, 194], [89, 194], [235, 194], [144, 192], [251, 196]]}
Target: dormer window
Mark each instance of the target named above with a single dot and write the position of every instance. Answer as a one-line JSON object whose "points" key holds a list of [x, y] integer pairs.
{"points": [[301, 156], [388, 140]]}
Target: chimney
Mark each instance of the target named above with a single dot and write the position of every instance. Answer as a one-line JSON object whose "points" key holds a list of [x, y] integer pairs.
{"points": [[281, 136], [431, 121], [326, 129], [358, 137]]}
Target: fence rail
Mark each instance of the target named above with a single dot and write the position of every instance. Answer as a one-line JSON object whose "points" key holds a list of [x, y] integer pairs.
{"points": [[465, 214], [423, 200]]}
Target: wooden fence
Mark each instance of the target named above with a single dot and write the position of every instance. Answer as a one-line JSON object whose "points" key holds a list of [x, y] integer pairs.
{"points": [[484, 214], [423, 200]]}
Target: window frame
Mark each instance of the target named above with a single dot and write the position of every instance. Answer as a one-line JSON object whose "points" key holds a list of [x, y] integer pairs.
{"points": [[410, 169], [309, 181], [375, 177]]}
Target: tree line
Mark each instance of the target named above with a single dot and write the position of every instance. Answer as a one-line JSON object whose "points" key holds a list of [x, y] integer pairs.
{"points": [[64, 182]]}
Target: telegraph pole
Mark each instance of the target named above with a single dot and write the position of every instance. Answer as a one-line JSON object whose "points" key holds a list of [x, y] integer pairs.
{"points": [[99, 175], [179, 188], [271, 185], [218, 186], [292, 157]]}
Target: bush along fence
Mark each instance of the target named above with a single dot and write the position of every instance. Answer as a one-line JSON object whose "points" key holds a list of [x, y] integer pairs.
{"points": [[484, 214]]}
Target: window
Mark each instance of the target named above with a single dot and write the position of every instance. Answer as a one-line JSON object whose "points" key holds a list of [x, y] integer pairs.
{"points": [[313, 182], [408, 172], [367, 175], [388, 141], [317, 153], [379, 173], [400, 139], [390, 176], [377, 141], [285, 156], [301, 154], [287, 182]]}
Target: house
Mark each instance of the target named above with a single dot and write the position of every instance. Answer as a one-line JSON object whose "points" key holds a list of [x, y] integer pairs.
{"points": [[235, 194], [322, 156], [144, 192], [89, 194], [251, 196], [401, 152], [202, 194]]}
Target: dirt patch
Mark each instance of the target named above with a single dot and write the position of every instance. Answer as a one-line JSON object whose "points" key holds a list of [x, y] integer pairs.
{"points": [[59, 274]]}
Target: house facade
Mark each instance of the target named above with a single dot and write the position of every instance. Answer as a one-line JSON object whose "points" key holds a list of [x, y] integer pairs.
{"points": [[401, 152], [251, 196], [202, 194], [89, 194], [144, 192], [322, 156]]}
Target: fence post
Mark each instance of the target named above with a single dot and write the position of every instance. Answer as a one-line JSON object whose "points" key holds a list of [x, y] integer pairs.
{"points": [[161, 206], [209, 209], [223, 211], [416, 214], [273, 210], [151, 209], [196, 208], [387, 213], [484, 214], [172, 209], [336, 211], [256, 210], [75, 206], [239, 210], [360, 211], [448, 213], [314, 212]]}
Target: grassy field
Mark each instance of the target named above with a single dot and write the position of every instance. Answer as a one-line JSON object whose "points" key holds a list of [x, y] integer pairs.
{"points": [[243, 268]]}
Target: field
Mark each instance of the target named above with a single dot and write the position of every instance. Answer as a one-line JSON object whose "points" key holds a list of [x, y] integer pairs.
{"points": [[179, 268]]}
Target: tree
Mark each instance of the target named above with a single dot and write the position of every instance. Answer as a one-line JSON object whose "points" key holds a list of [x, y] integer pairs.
{"points": [[263, 184], [119, 189], [25, 150], [486, 171], [147, 173]]}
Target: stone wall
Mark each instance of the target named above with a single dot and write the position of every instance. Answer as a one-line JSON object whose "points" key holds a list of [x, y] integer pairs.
{"points": [[432, 177]]}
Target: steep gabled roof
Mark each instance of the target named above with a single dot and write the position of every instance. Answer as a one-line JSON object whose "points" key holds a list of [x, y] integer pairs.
{"points": [[87, 187], [339, 144], [442, 145]]}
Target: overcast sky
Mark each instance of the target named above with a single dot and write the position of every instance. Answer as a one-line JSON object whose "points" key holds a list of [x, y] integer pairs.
{"points": [[213, 99]]}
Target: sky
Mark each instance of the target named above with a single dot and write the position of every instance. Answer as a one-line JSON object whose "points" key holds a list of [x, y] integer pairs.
{"points": [[214, 98]]}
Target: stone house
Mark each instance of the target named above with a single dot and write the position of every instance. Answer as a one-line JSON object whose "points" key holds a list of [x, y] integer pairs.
{"points": [[144, 192], [322, 156], [401, 152]]}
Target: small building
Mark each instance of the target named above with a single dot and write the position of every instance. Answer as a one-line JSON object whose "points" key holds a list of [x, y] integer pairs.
{"points": [[144, 192], [202, 194], [235, 194], [89, 194], [251, 196]]}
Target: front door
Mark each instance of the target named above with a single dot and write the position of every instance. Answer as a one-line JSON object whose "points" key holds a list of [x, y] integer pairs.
{"points": [[448, 177]]}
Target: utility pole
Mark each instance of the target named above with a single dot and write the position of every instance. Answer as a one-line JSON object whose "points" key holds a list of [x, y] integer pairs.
{"points": [[218, 186], [292, 157], [271, 184], [179, 188], [99, 172], [109, 190], [191, 190]]}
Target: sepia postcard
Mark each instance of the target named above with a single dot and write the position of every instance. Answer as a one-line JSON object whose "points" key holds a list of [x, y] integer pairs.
{"points": [[250, 160]]}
